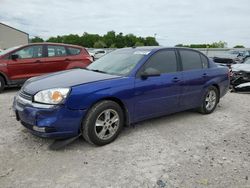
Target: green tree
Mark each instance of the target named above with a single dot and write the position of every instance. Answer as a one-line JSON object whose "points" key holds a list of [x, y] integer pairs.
{"points": [[37, 39], [150, 41], [239, 46], [139, 44], [100, 44]]}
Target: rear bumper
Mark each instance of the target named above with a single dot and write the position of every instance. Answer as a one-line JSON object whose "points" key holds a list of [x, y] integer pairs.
{"points": [[57, 122]]}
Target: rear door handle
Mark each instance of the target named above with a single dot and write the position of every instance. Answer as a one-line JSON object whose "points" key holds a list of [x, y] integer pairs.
{"points": [[175, 79], [37, 61], [204, 75], [67, 59]]}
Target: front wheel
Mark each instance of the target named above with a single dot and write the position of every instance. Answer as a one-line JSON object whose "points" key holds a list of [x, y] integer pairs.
{"points": [[103, 123], [210, 100], [2, 84]]}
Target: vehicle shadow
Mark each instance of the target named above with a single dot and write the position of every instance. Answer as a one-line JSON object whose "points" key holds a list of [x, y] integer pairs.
{"points": [[11, 89], [155, 123]]}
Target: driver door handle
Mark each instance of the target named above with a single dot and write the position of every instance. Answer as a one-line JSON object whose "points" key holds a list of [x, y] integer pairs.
{"points": [[176, 79]]}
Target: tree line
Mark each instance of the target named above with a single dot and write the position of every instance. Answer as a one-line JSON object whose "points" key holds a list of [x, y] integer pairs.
{"points": [[109, 40], [117, 40], [220, 44]]}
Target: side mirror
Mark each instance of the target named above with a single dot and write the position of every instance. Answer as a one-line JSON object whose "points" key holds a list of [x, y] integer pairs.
{"points": [[149, 72], [14, 56]]}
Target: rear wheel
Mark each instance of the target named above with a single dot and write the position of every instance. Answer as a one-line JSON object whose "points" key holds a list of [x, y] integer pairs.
{"points": [[103, 123], [2, 84], [210, 100]]}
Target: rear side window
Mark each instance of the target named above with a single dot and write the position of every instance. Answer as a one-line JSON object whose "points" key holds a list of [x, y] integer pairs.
{"points": [[204, 61], [30, 52], [163, 61], [74, 51], [190, 60], [56, 51]]}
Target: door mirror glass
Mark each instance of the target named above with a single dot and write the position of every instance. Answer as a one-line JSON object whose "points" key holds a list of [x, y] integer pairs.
{"points": [[149, 72], [14, 56]]}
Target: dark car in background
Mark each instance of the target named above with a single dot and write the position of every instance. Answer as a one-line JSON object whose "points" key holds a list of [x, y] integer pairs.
{"points": [[123, 87], [232, 57], [19, 63]]}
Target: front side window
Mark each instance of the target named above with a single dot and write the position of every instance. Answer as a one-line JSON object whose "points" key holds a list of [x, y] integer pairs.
{"points": [[56, 51], [30, 52], [191, 60], [163, 61]]}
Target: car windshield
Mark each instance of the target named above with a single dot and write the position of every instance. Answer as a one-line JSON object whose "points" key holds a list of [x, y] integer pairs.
{"points": [[119, 62], [9, 50]]}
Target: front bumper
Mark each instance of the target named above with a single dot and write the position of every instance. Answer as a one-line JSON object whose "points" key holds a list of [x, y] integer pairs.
{"points": [[56, 122]]}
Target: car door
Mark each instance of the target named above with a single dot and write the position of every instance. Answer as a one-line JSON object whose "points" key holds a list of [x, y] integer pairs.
{"points": [[26, 62], [57, 59], [158, 94], [195, 75]]}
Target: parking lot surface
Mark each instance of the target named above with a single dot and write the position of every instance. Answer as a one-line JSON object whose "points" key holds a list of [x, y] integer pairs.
{"points": [[186, 149]]}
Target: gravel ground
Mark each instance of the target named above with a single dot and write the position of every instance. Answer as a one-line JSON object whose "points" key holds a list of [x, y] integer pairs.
{"points": [[186, 149]]}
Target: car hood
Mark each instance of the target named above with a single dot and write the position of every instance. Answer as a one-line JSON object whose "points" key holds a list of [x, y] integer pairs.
{"points": [[241, 67], [64, 79]]}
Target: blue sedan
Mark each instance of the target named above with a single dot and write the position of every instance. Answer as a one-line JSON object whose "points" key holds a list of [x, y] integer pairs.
{"points": [[123, 87]]}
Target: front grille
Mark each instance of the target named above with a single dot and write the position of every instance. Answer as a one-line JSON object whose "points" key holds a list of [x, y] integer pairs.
{"points": [[25, 95]]}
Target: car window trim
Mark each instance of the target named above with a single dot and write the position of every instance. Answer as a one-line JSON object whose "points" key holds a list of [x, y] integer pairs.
{"points": [[47, 51], [13, 52], [68, 51], [148, 59], [186, 49]]}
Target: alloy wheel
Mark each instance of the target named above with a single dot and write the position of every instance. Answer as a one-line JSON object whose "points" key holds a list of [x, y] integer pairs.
{"points": [[107, 124], [210, 100]]}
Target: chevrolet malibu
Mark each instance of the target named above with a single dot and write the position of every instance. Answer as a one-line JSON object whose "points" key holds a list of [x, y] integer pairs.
{"points": [[124, 87]]}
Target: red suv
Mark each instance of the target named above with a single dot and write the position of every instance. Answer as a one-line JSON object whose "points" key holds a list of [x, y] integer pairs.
{"points": [[17, 64]]}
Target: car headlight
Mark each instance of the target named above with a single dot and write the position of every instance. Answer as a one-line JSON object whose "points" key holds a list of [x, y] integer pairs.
{"points": [[52, 96]]}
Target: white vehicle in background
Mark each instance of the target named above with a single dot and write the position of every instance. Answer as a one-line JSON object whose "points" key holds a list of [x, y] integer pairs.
{"points": [[97, 53]]}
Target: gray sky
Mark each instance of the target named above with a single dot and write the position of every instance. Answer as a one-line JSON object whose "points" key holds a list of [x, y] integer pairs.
{"points": [[174, 21]]}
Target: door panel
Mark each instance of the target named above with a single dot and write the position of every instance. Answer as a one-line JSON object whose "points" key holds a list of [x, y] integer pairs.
{"points": [[27, 63], [193, 84], [57, 59], [157, 95], [195, 75]]}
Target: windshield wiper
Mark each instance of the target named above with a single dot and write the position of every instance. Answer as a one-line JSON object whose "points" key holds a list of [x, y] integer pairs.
{"points": [[96, 70]]}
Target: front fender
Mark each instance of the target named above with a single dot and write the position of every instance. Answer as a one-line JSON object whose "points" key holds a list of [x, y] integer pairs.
{"points": [[82, 97]]}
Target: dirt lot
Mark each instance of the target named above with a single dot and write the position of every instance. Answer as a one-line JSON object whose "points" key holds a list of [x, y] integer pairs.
{"points": [[181, 150]]}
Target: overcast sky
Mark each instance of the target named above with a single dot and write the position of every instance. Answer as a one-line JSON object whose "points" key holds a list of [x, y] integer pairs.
{"points": [[173, 21]]}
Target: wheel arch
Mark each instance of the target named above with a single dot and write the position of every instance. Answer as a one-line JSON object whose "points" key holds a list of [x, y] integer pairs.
{"points": [[218, 89], [120, 103], [4, 77]]}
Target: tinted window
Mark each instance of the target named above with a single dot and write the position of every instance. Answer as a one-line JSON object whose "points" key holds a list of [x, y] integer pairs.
{"points": [[74, 51], [204, 61], [56, 51], [30, 52], [190, 60], [163, 61]]}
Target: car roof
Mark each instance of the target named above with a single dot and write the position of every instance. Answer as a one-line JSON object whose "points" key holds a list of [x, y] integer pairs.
{"points": [[151, 48], [53, 43]]}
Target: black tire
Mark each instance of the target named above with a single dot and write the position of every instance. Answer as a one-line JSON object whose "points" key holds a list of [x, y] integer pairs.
{"points": [[2, 84], [204, 107], [89, 128]]}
